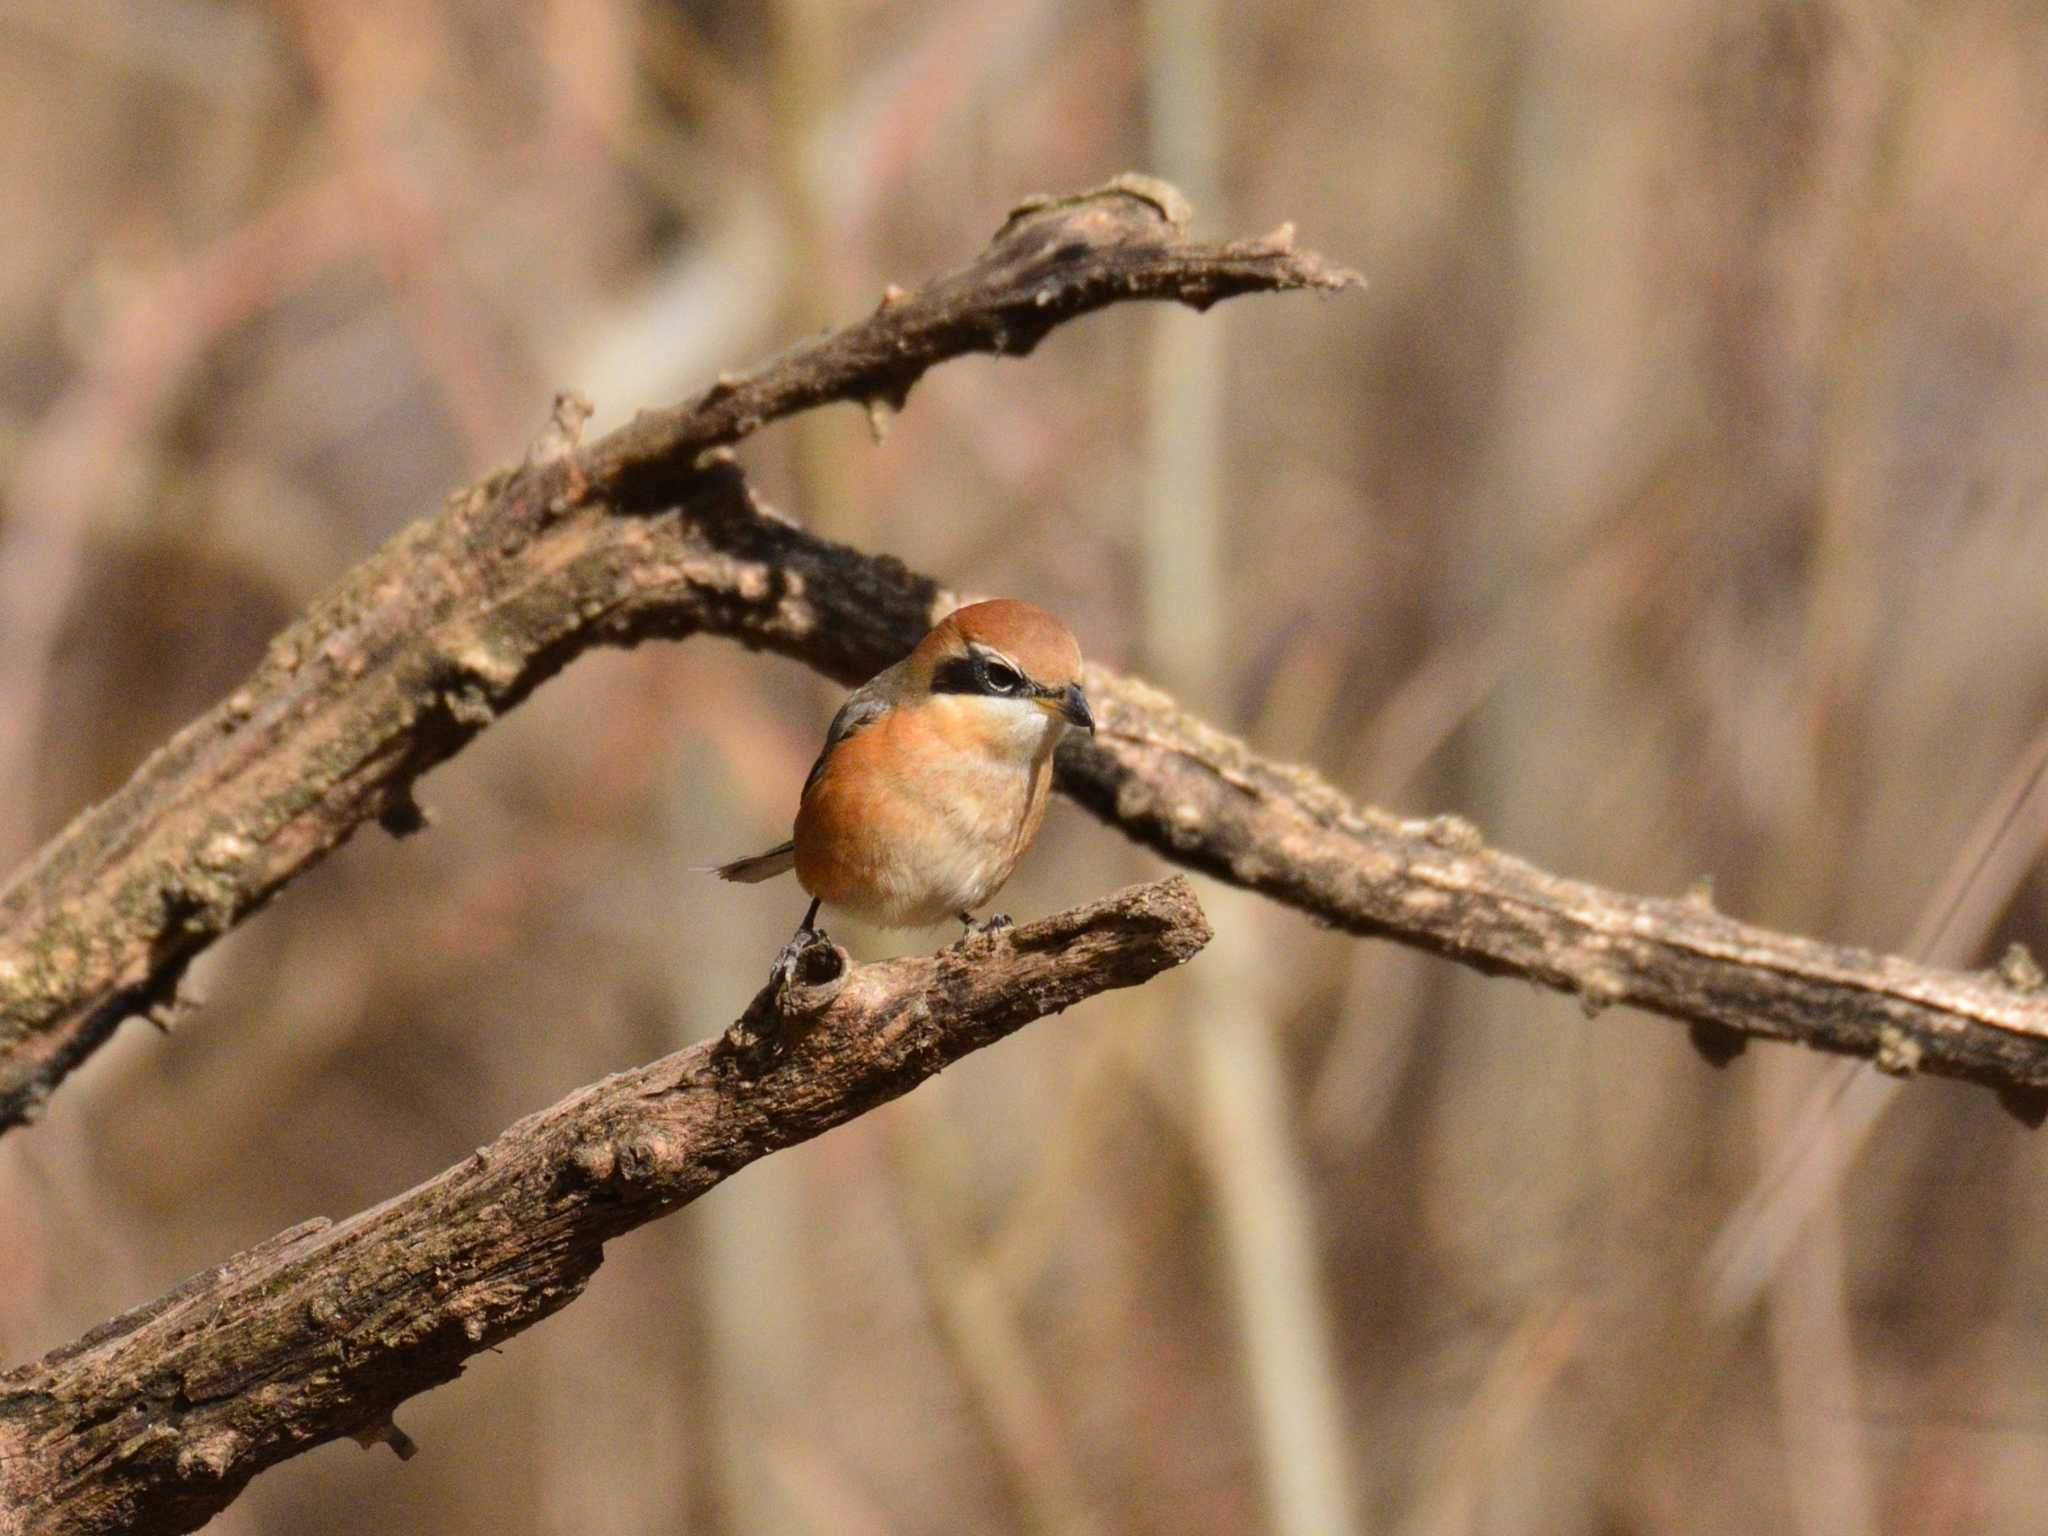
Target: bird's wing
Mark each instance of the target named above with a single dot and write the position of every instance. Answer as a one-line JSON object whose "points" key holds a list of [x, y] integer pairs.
{"points": [[864, 706]]}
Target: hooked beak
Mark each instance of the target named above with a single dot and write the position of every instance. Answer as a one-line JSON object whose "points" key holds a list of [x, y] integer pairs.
{"points": [[1071, 705]]}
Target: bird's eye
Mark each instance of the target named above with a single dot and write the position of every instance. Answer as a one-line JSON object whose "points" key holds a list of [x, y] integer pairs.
{"points": [[1001, 678]]}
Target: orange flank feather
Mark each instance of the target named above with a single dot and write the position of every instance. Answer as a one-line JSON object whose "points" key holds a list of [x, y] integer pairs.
{"points": [[919, 817]]}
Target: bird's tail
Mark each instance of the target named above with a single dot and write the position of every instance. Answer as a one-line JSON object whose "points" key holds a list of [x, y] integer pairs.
{"points": [[762, 866]]}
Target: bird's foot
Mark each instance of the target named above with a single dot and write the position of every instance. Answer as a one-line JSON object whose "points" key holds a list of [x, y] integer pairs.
{"points": [[805, 977], [983, 927], [788, 968]]}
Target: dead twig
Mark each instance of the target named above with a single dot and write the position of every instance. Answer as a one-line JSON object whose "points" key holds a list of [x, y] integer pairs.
{"points": [[652, 533], [461, 616]]}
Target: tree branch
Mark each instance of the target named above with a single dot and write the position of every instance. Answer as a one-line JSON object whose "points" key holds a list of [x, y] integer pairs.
{"points": [[1204, 799], [155, 1421], [650, 533], [462, 615], [1055, 259]]}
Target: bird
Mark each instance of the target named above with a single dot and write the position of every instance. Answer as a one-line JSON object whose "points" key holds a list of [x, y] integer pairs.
{"points": [[934, 774]]}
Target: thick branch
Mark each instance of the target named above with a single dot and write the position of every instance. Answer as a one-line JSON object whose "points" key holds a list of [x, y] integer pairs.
{"points": [[155, 1421], [462, 615], [1204, 799]]}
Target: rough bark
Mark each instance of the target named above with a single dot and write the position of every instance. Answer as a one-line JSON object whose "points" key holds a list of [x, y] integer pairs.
{"points": [[156, 1420], [652, 532], [1202, 798], [464, 613]]}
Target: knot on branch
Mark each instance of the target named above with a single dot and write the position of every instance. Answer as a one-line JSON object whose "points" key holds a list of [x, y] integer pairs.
{"points": [[808, 974], [2018, 969], [643, 1156], [209, 1456], [385, 1432]]}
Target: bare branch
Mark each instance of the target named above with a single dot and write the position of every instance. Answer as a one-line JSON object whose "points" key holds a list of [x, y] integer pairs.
{"points": [[1056, 258], [155, 1421], [462, 615], [1204, 799], [649, 533]]}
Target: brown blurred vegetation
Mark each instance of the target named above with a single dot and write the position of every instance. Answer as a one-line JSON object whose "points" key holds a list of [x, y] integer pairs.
{"points": [[1670, 505]]}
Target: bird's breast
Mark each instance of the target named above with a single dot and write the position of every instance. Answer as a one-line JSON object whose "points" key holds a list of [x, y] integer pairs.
{"points": [[913, 821]]}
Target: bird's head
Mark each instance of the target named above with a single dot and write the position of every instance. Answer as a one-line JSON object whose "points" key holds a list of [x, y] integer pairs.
{"points": [[1013, 655]]}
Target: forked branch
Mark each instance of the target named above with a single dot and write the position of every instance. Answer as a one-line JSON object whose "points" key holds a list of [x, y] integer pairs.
{"points": [[649, 532], [462, 615]]}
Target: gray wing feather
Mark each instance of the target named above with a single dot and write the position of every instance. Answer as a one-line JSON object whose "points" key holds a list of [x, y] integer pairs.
{"points": [[865, 705]]}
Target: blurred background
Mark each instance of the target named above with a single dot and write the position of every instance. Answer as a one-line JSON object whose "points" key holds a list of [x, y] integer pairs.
{"points": [[1670, 504]]}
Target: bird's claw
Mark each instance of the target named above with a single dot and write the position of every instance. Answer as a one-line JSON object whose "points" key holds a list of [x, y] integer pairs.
{"points": [[804, 977], [785, 969], [981, 928]]}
